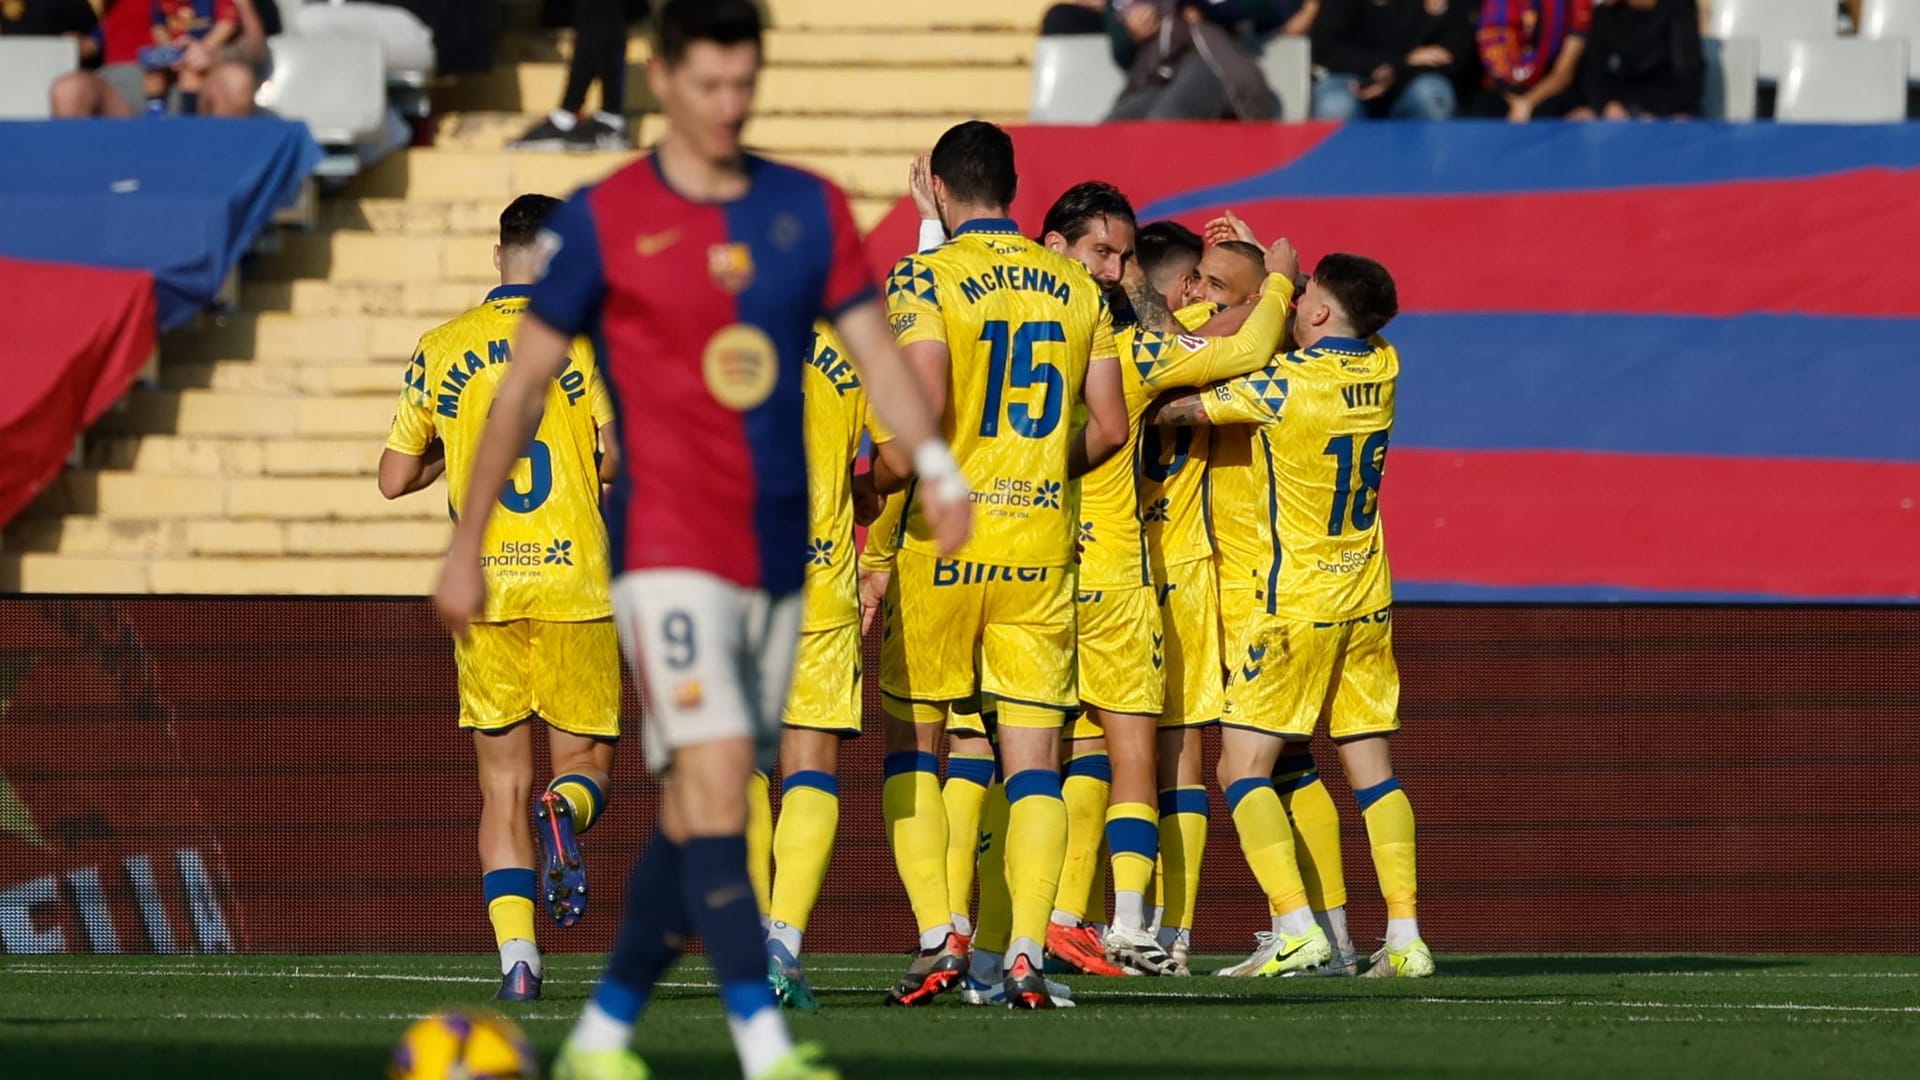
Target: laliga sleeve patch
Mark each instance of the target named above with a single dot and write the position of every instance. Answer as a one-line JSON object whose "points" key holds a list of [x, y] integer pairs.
{"points": [[741, 367], [1193, 344]]}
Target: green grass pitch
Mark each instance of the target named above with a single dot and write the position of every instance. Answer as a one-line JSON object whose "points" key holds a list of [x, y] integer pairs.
{"points": [[1718, 1018]]}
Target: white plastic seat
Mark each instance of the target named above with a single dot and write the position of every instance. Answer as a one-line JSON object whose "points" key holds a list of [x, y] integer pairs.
{"points": [[1893, 19], [1733, 79], [337, 86], [1848, 81], [1773, 23], [28, 68], [1287, 63], [1075, 80]]}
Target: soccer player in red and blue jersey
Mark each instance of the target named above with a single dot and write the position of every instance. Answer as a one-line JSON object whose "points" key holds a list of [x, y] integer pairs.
{"points": [[699, 271]]}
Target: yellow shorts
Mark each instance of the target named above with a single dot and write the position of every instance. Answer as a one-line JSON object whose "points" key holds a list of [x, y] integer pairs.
{"points": [[1190, 613], [1294, 674], [566, 673], [1121, 659], [954, 628], [825, 694]]}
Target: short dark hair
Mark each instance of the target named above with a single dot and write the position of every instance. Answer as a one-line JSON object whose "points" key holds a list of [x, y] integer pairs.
{"points": [[1160, 242], [520, 222], [1362, 288], [723, 22], [1074, 212], [1249, 252], [975, 161]]}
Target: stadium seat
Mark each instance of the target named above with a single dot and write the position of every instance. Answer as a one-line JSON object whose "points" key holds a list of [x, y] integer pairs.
{"points": [[31, 65], [1075, 80], [336, 85], [1773, 23], [1733, 79], [1899, 19], [408, 43], [1844, 82], [1287, 62]]}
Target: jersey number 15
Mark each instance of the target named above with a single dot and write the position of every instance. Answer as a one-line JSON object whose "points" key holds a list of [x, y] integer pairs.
{"points": [[1010, 363]]}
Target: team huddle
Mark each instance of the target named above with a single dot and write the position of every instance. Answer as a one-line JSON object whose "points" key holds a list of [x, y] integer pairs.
{"points": [[1122, 486]]}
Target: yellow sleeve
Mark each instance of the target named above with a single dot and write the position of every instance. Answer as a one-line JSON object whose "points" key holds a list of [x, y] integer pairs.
{"points": [[1255, 398], [913, 303], [1187, 360], [412, 430], [599, 401], [883, 535], [1103, 343]]}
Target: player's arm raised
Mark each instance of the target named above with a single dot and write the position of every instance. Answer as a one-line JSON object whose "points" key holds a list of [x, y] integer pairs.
{"points": [[1235, 341]]}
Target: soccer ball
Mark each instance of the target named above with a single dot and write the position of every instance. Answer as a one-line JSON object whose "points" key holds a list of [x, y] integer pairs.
{"points": [[465, 1044]]}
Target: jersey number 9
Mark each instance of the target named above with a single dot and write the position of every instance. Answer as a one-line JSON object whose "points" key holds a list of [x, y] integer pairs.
{"points": [[1010, 363]]}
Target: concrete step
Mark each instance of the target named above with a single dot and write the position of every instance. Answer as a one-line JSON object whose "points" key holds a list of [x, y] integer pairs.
{"points": [[186, 455], [284, 337], [362, 257], [425, 304], [133, 496], [923, 89], [248, 376], [828, 46], [122, 538], [219, 414], [905, 14], [781, 136], [50, 573]]}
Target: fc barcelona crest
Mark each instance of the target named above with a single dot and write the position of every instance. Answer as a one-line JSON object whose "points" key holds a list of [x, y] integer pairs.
{"points": [[730, 266]]}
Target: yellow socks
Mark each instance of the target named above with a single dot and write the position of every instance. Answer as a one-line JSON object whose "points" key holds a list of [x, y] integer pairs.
{"points": [[964, 795], [1133, 841], [917, 832], [802, 847], [1088, 783], [1183, 842], [991, 930], [760, 839], [1316, 831], [1389, 818], [1267, 840], [1036, 845], [583, 796], [510, 894]]}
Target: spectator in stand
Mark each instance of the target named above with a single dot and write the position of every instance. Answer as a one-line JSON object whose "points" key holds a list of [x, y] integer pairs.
{"points": [[55, 18], [187, 37], [1077, 17], [1531, 50], [1643, 61], [1392, 59], [229, 75], [1194, 59], [599, 55]]}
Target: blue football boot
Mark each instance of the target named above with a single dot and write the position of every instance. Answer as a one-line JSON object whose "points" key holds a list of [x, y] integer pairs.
{"points": [[519, 984], [563, 875]]}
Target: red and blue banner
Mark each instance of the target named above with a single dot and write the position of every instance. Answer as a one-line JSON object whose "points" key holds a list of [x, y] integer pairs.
{"points": [[1640, 361]]}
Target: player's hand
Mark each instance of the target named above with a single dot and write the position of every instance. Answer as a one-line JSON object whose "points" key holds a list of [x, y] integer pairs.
{"points": [[1430, 56], [920, 184], [867, 503], [873, 593], [1519, 109], [1142, 21], [461, 595], [1228, 226], [1283, 260], [1378, 84], [952, 521]]}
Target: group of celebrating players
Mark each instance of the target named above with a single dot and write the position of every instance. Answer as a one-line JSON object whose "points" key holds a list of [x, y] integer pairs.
{"points": [[1123, 486]]}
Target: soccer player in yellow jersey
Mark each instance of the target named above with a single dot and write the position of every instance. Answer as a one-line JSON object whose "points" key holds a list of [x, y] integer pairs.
{"points": [[1007, 337], [546, 645], [824, 706], [1317, 646]]}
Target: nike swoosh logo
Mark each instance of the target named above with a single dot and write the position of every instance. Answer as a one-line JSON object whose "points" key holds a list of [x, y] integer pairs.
{"points": [[650, 246]]}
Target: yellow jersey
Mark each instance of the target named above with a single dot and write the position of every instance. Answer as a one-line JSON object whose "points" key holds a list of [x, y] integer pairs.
{"points": [[1021, 325], [1173, 477], [1306, 528], [835, 417], [1114, 542], [545, 553]]}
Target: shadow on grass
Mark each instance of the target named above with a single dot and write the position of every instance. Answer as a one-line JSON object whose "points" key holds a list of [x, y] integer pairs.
{"points": [[1506, 967]]}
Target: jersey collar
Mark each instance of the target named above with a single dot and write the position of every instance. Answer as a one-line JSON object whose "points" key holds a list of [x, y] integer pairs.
{"points": [[988, 225], [510, 292], [1354, 345]]}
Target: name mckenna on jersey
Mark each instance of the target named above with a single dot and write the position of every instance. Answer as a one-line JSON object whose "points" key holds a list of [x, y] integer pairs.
{"points": [[1024, 278]]}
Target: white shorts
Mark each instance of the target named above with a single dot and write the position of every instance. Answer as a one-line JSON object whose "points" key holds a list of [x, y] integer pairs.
{"points": [[713, 658]]}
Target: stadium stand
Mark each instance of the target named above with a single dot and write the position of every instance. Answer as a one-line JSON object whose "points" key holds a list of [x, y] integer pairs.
{"points": [[1773, 23], [31, 64], [1844, 82]]}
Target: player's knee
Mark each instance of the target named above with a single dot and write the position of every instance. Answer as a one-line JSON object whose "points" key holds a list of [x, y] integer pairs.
{"points": [[508, 785]]}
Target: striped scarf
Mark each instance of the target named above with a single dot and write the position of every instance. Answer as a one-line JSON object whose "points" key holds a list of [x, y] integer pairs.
{"points": [[1519, 39]]}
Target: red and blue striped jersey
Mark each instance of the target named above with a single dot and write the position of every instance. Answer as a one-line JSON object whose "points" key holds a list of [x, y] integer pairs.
{"points": [[702, 316]]}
